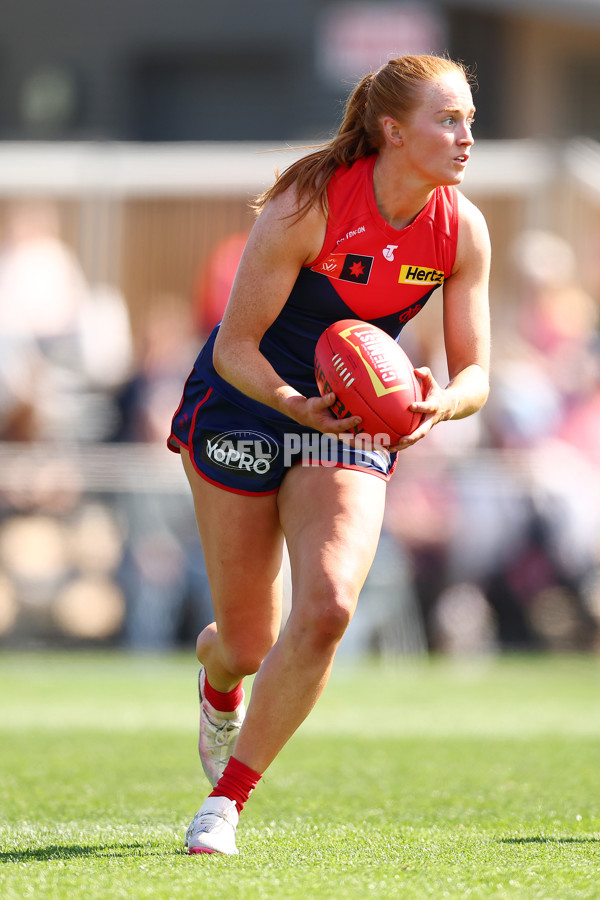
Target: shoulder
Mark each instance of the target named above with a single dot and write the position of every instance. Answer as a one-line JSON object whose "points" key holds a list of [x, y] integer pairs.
{"points": [[283, 221], [473, 234], [470, 217], [473, 250]]}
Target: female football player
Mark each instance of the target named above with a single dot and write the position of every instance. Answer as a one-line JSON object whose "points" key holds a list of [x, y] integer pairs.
{"points": [[367, 227]]}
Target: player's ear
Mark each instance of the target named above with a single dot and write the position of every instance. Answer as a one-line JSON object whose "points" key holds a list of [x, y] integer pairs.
{"points": [[392, 131]]}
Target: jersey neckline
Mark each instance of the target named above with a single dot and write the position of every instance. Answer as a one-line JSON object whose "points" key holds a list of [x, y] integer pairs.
{"points": [[374, 209]]}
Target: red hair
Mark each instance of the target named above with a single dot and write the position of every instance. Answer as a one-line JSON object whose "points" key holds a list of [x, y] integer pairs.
{"points": [[395, 90]]}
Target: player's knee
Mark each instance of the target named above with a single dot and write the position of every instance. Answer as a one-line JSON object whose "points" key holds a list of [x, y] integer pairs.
{"points": [[238, 654], [330, 612], [332, 625]]}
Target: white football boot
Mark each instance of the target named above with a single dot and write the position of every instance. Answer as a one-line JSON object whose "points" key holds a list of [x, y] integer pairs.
{"points": [[218, 734], [213, 828]]}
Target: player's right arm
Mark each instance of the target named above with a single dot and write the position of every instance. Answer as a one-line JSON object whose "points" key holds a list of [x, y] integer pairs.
{"points": [[278, 246]]}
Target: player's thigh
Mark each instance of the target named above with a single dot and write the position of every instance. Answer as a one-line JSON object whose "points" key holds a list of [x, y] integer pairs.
{"points": [[332, 520], [242, 542]]}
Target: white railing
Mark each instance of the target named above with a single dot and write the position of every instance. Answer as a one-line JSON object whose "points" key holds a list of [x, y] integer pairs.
{"points": [[239, 168]]}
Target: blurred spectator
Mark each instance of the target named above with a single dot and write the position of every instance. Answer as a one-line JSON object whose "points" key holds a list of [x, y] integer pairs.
{"points": [[544, 403], [546, 355], [463, 623], [63, 347], [166, 350], [162, 571], [214, 281], [505, 546]]}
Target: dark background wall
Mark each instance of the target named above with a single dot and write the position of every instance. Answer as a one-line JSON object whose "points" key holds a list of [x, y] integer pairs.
{"points": [[150, 70]]}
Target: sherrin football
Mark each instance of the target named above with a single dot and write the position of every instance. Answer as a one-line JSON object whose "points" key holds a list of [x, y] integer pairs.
{"points": [[371, 376]]}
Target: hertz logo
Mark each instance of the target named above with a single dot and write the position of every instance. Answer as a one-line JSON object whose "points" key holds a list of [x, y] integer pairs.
{"points": [[419, 275]]}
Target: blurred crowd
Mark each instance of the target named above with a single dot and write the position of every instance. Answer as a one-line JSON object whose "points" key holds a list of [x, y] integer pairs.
{"points": [[503, 533], [492, 533], [79, 564]]}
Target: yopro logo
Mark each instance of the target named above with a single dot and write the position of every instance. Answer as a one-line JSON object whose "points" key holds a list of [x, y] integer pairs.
{"points": [[243, 452]]}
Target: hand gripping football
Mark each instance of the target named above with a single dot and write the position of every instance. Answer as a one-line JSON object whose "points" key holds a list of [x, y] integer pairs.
{"points": [[371, 376]]}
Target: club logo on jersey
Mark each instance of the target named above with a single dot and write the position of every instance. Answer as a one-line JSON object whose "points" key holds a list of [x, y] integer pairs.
{"points": [[420, 275], [410, 312], [244, 452], [346, 267], [388, 252]]}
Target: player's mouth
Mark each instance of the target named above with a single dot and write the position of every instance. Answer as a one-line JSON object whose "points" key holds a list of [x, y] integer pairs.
{"points": [[462, 160]]}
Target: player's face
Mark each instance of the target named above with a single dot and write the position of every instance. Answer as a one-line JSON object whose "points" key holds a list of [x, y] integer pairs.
{"points": [[437, 137]]}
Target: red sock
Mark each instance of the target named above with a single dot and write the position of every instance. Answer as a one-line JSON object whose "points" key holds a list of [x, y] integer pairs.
{"points": [[237, 783], [224, 702]]}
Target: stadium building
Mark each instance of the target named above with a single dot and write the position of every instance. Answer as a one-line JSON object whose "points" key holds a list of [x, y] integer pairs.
{"points": [[145, 70]]}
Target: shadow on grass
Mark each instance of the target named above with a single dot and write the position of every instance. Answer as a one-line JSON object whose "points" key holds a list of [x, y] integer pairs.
{"points": [[541, 839], [78, 851]]}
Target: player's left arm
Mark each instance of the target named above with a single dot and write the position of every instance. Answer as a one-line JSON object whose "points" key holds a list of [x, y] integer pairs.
{"points": [[466, 330]]}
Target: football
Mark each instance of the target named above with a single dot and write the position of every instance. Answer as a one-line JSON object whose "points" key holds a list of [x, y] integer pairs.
{"points": [[371, 376]]}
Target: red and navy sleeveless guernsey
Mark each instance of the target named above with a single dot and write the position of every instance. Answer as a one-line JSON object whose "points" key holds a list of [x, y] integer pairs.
{"points": [[366, 270]]}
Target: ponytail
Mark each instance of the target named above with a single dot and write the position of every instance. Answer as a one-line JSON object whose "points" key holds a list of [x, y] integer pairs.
{"points": [[311, 174], [393, 90]]}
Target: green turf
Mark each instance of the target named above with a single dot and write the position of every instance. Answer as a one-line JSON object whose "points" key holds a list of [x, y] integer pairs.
{"points": [[424, 780]]}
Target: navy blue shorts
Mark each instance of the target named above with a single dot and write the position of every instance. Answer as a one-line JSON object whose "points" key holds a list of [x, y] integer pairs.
{"points": [[238, 451]]}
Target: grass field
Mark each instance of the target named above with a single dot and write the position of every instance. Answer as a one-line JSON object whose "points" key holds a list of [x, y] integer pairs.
{"points": [[412, 780]]}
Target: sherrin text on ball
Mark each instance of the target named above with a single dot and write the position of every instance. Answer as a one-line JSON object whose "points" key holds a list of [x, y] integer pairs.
{"points": [[371, 376]]}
